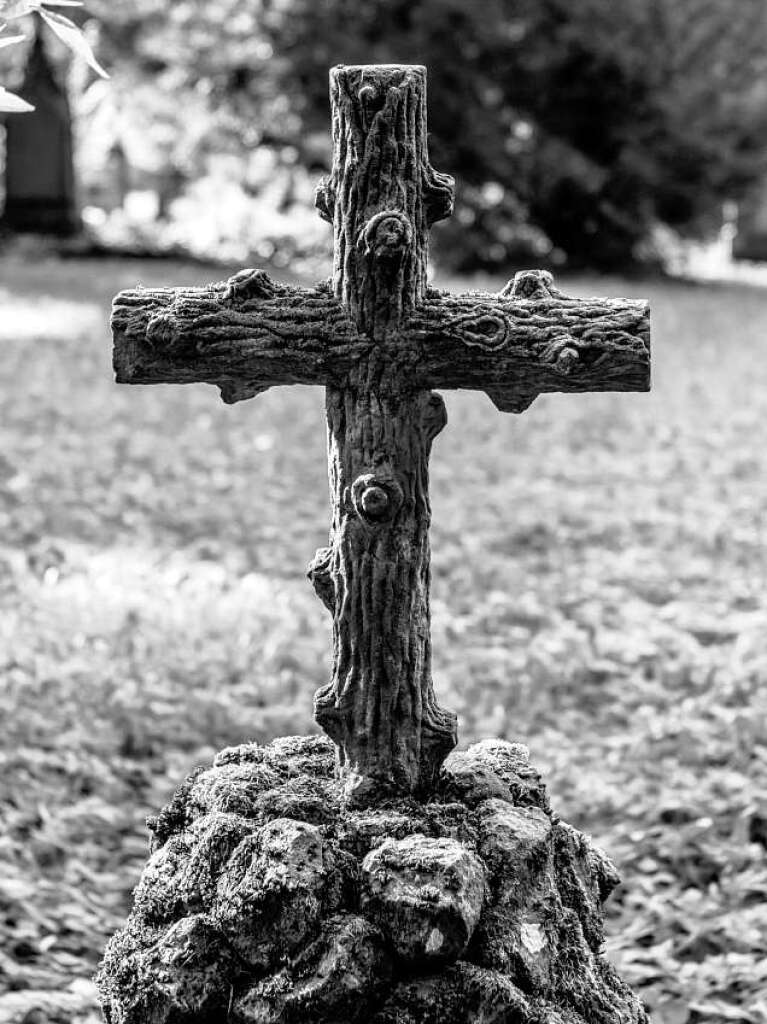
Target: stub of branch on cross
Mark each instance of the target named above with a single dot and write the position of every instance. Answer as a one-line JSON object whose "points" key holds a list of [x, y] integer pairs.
{"points": [[379, 340]]}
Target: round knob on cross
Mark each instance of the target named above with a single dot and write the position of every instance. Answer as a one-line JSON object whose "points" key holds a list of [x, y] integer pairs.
{"points": [[367, 93], [374, 501], [387, 234]]}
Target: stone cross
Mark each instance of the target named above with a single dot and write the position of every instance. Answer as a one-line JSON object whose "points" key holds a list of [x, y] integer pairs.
{"points": [[378, 338]]}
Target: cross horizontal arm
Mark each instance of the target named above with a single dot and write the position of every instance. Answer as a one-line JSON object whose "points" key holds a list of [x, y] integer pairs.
{"points": [[243, 335], [528, 339]]}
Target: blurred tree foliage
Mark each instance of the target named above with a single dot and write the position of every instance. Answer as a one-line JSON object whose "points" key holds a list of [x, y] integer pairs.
{"points": [[573, 129]]}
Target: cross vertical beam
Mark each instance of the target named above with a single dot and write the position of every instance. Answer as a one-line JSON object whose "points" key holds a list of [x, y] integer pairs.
{"points": [[379, 706]]}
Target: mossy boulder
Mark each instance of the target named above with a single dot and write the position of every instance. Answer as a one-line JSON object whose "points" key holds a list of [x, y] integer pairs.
{"points": [[267, 900]]}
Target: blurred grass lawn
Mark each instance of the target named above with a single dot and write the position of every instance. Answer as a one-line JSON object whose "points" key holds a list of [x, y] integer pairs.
{"points": [[599, 593]]}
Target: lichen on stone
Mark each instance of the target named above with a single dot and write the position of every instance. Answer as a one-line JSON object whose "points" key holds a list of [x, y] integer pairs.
{"points": [[267, 900]]}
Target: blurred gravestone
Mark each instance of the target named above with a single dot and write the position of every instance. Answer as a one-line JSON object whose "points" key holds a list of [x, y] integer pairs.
{"points": [[40, 195], [169, 187], [117, 178], [750, 242], [372, 874]]}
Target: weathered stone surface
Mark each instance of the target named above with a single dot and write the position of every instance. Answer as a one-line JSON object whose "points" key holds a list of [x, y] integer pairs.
{"points": [[269, 901], [465, 781], [335, 978], [305, 797], [589, 878], [232, 788], [302, 755], [459, 994], [182, 976], [248, 753], [368, 829], [425, 894], [158, 894], [515, 934], [181, 876], [291, 780], [493, 768], [485, 912], [512, 837]]}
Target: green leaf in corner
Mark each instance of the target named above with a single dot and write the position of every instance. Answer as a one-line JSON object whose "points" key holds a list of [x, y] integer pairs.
{"points": [[19, 8], [72, 37], [10, 103], [9, 40]]}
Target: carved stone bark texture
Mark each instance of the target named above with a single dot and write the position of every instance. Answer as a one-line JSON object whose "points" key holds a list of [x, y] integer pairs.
{"points": [[379, 706], [243, 335], [267, 900], [382, 194], [379, 339], [250, 333]]}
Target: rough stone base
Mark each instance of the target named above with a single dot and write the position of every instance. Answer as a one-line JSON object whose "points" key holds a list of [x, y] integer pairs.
{"points": [[266, 902]]}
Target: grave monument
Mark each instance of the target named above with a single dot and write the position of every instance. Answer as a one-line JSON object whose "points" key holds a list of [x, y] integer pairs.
{"points": [[40, 193], [370, 874]]}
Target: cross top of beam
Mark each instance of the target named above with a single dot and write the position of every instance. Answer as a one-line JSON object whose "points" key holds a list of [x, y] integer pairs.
{"points": [[380, 140]]}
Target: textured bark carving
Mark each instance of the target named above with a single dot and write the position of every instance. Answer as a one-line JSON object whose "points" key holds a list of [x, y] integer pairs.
{"points": [[514, 343], [379, 340], [379, 706], [384, 191], [517, 347], [244, 335]]}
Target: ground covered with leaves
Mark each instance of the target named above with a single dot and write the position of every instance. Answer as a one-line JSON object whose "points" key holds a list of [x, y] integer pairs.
{"points": [[599, 568]]}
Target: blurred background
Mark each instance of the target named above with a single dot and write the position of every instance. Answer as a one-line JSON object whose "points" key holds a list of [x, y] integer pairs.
{"points": [[599, 562]]}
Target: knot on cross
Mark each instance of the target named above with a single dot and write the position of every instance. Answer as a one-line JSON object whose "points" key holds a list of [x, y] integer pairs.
{"points": [[379, 340]]}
